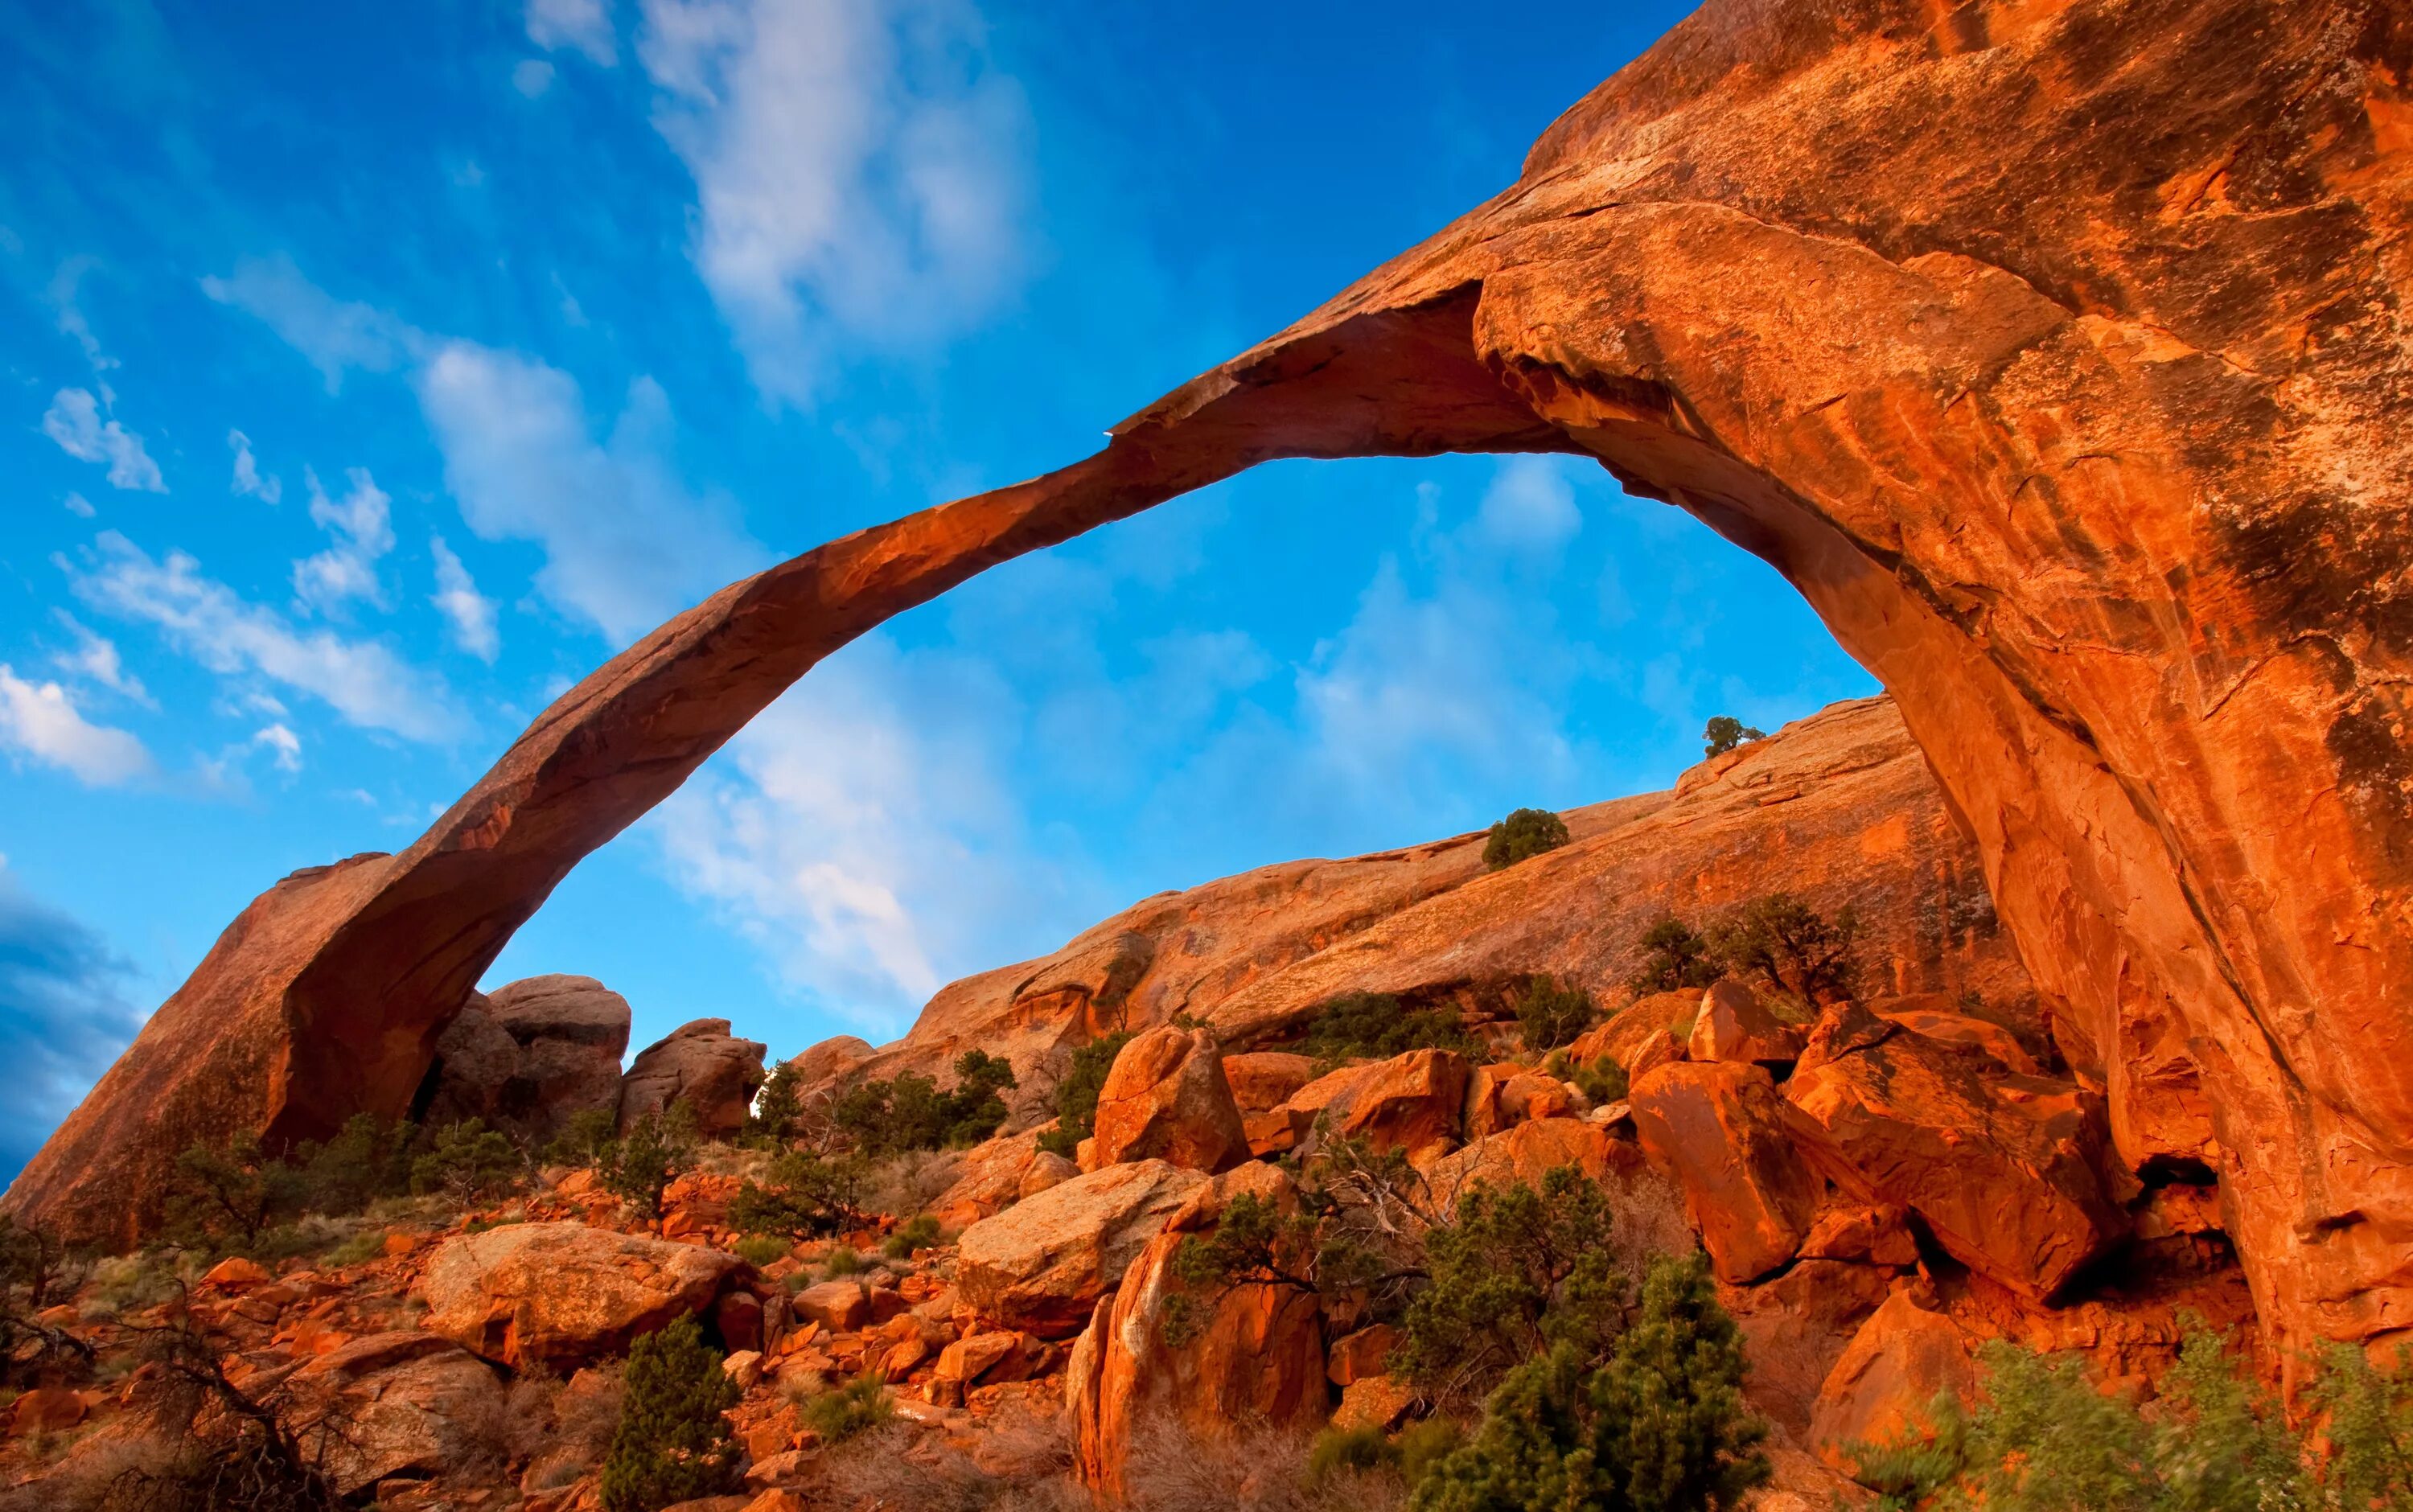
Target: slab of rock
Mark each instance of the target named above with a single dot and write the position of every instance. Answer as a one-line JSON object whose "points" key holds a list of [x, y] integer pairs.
{"points": [[1167, 1098], [994, 1175], [562, 1295], [1720, 1131], [1409, 1103], [1041, 1265], [1934, 1015], [1264, 1080], [818, 1067], [1795, 1326], [2001, 1167], [530, 1056], [407, 1401], [1883, 1387], [701, 1065], [1524, 1153], [1734, 1024]]}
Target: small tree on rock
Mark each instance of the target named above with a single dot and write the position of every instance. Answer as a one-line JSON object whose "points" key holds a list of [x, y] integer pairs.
{"points": [[1791, 947], [674, 1443], [1551, 1013], [1724, 732], [1524, 834], [1675, 956], [1076, 1095], [640, 1166], [468, 1161]]}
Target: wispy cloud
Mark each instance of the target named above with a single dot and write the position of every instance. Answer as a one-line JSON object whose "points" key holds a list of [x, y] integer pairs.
{"points": [[74, 421], [40, 721], [362, 523], [584, 24], [96, 657], [627, 544], [337, 335], [469, 613], [532, 76], [858, 165], [363, 681], [268, 488], [283, 744], [63, 1017]]}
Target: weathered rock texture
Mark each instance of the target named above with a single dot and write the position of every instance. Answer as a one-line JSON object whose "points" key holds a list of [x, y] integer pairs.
{"points": [[563, 1294], [2053, 349], [700, 1064], [530, 1056]]}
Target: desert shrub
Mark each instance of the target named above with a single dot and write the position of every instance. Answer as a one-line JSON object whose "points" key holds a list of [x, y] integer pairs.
{"points": [[777, 1106], [640, 1166], [841, 1263], [759, 1249], [365, 1160], [804, 1194], [838, 1416], [1551, 1013], [1657, 1425], [888, 1117], [1523, 835], [923, 1233], [363, 1246], [224, 1199], [1790, 947], [1601, 1079], [1019, 1466], [584, 1140], [1255, 1243], [1360, 1025], [467, 1161], [1412, 1452], [1675, 957], [1514, 1271], [1077, 1094], [673, 1443], [37, 1270], [233, 1446], [1372, 1210], [1723, 732]]}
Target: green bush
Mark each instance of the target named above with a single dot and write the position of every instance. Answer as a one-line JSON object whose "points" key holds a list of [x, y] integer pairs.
{"points": [[760, 1250], [1549, 1014], [1514, 1271], [777, 1106], [923, 1233], [1658, 1425], [841, 1263], [585, 1139], [1076, 1095], [467, 1161], [367, 1159], [1367, 1449], [1603, 1080], [1723, 732], [1523, 835], [1675, 957], [2043, 1438], [640, 1166], [224, 1199], [837, 1415], [804, 1194], [673, 1444], [890, 1118], [1790, 947], [1361, 1025]]}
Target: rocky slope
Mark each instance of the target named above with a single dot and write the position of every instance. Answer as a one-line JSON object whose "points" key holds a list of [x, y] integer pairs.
{"points": [[1840, 806]]}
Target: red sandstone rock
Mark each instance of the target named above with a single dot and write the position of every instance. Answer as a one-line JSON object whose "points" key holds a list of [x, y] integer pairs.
{"points": [[1796, 1326], [1733, 1024], [1720, 1132], [1167, 1099], [1409, 1103], [1041, 1265], [1524, 1153], [1264, 1080], [994, 1175], [1934, 1016], [1873, 1234], [1883, 1387], [46, 1410], [1360, 1354], [397, 1402], [700, 1064], [563, 1294], [1999, 1166]]}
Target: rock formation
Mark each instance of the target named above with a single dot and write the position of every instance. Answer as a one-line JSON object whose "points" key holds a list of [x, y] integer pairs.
{"points": [[2053, 351], [529, 1057], [700, 1064]]}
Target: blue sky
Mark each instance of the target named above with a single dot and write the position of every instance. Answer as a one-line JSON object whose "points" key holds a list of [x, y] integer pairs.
{"points": [[372, 372]]}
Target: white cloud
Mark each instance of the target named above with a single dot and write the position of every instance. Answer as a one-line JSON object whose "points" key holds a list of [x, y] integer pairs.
{"points": [[858, 170], [285, 743], [469, 613], [1530, 507], [247, 478], [362, 680], [72, 317], [40, 720], [532, 76], [79, 506], [859, 832], [585, 24], [362, 523], [626, 543], [334, 334], [74, 421], [96, 657]]}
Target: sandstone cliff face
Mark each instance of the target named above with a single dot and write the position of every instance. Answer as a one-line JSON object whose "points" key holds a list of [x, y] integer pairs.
{"points": [[1838, 809], [2056, 350]]}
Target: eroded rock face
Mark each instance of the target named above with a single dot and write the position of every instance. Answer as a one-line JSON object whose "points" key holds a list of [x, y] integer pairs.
{"points": [[701, 1065], [2054, 351], [1041, 1265], [407, 1401], [1167, 1099], [562, 1295], [1881, 1388]]}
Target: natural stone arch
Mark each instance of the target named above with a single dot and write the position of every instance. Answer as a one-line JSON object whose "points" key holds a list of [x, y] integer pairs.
{"points": [[2054, 350]]}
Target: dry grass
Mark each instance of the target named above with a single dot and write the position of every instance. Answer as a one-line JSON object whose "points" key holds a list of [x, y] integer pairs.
{"points": [[1023, 1464], [904, 1185], [1647, 1219], [1265, 1471]]}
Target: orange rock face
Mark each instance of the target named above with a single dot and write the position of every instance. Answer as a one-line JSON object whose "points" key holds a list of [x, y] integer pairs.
{"points": [[562, 1294], [1733, 1025], [2055, 352], [1883, 1388], [1041, 1265], [1167, 1099], [1719, 1130]]}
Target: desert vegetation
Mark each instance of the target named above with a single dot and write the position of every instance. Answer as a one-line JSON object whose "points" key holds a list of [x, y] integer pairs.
{"points": [[1523, 835]]}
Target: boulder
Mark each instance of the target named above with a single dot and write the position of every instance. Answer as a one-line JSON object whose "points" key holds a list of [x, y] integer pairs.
{"points": [[1734, 1024], [820, 1067], [1360, 1354], [1883, 1387], [530, 1056], [1524, 1153], [2000, 1167], [1868, 1233], [1648, 1031], [1719, 1131], [1245, 1358], [1937, 1016], [840, 1306], [1795, 1326], [1409, 1103], [1041, 1264], [1167, 1099], [1264, 1080], [996, 1173], [560, 1294], [48, 1409], [701, 1065], [407, 1402]]}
